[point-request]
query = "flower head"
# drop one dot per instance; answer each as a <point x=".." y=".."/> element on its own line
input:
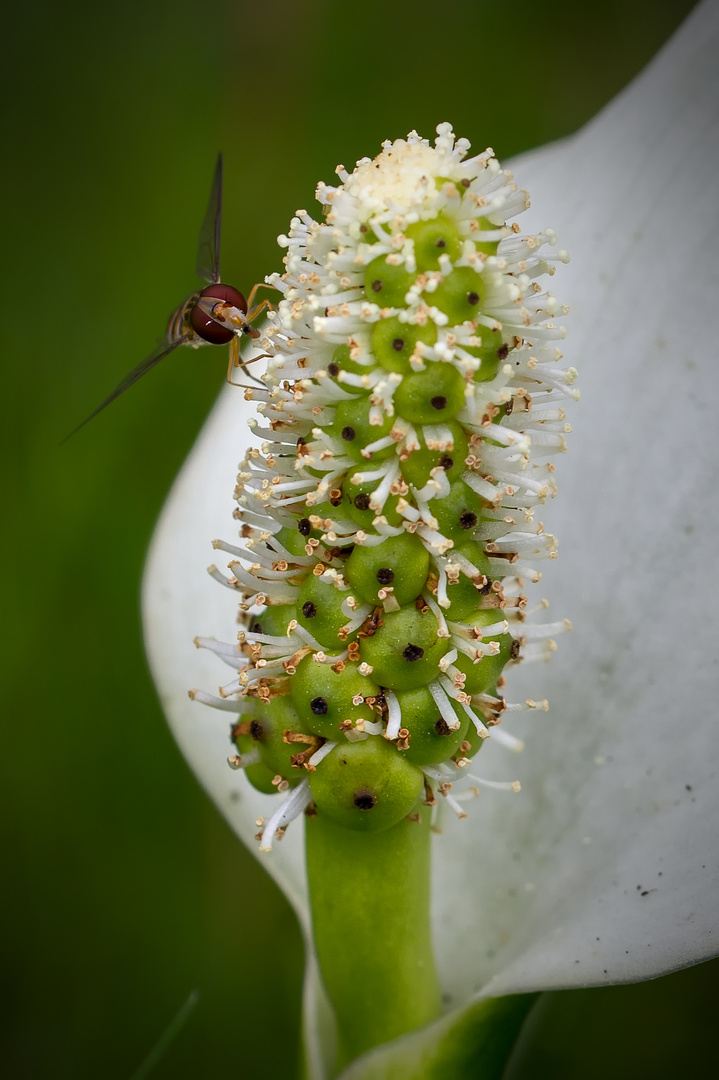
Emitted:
<point x="413" y="394"/>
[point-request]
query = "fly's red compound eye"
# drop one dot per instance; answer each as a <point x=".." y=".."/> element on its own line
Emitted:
<point x="206" y="327"/>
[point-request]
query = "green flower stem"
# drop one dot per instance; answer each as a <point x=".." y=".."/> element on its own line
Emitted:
<point x="472" y="1043"/>
<point x="370" y="912"/>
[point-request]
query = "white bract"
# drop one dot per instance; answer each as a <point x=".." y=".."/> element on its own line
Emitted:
<point x="604" y="869"/>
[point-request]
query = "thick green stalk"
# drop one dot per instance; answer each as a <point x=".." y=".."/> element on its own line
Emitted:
<point x="370" y="913"/>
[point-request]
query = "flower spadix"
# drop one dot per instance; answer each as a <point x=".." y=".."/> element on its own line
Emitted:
<point x="390" y="518"/>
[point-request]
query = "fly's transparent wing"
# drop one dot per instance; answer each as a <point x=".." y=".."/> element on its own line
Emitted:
<point x="149" y="362"/>
<point x="208" y="248"/>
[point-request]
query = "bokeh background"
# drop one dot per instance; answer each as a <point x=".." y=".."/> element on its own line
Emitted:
<point x="122" y="890"/>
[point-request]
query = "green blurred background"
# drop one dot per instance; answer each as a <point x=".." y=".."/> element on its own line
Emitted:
<point x="122" y="889"/>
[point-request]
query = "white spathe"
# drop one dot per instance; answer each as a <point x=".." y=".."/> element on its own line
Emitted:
<point x="604" y="869"/>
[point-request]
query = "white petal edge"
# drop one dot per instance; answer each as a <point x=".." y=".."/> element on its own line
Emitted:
<point x="605" y="869"/>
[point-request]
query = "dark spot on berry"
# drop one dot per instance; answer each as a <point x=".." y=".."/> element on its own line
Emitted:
<point x="362" y="501"/>
<point x="319" y="706"/>
<point x="398" y="344"/>
<point x="413" y="652"/>
<point x="257" y="731"/>
<point x="503" y="352"/>
<point x="441" y="727"/>
<point x="472" y="299"/>
<point x="376" y="285"/>
<point x="364" y="800"/>
<point x="446" y="462"/>
<point x="309" y="610"/>
<point x="467" y="519"/>
<point x="333" y="369"/>
<point x="439" y="401"/>
<point x="385" y="576"/>
<point x="256" y="627"/>
<point x="440" y="243"/>
<point x="514" y="650"/>
<point x="348" y="433"/>
<point x="304" y="525"/>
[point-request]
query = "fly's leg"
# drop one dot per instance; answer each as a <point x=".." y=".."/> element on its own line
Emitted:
<point x="236" y="362"/>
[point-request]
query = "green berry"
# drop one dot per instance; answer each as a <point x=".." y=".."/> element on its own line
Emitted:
<point x="258" y="774"/>
<point x="273" y="620"/>
<point x="432" y="740"/>
<point x="459" y="513"/>
<point x="267" y="727"/>
<point x="323" y="697"/>
<point x="386" y="284"/>
<point x="464" y="596"/>
<point x="492" y="353"/>
<point x="341" y="361"/>
<point x="432" y="396"/>
<point x="432" y="239"/>
<point x="401" y="562"/>
<point x="366" y="785"/>
<point x="459" y="295"/>
<point x="418" y="465"/>
<point x="319" y="610"/>
<point x="333" y="509"/>
<point x="295" y="540"/>
<point x="393" y="342"/>
<point x="358" y="508"/>
<point x="354" y="431"/>
<point x="483" y="675"/>
<point x="405" y="651"/>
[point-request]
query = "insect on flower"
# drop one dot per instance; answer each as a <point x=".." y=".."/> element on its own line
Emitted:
<point x="216" y="315"/>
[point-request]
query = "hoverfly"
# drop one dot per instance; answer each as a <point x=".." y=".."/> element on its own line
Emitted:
<point x="216" y="315"/>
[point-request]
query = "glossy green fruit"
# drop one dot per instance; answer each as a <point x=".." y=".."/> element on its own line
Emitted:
<point x="353" y="429"/>
<point x="340" y="362"/>
<point x="417" y="467"/>
<point x="319" y="610"/>
<point x="393" y="342"/>
<point x="439" y="236"/>
<point x="323" y="698"/>
<point x="366" y="785"/>
<point x="274" y="620"/>
<point x="386" y="284"/>
<point x="401" y="562"/>
<point x="492" y="353"/>
<point x="295" y="540"/>
<point x="459" y="295"/>
<point x="406" y="649"/>
<point x="484" y="674"/>
<point x="358" y="508"/>
<point x="431" y="739"/>
<point x="268" y="724"/>
<point x="458" y="514"/>
<point x="258" y="774"/>
<point x="432" y="396"/>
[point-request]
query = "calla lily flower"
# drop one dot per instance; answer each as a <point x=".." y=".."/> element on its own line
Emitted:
<point x="604" y="869"/>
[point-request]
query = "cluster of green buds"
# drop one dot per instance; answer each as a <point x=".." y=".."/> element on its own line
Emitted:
<point x="412" y="400"/>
